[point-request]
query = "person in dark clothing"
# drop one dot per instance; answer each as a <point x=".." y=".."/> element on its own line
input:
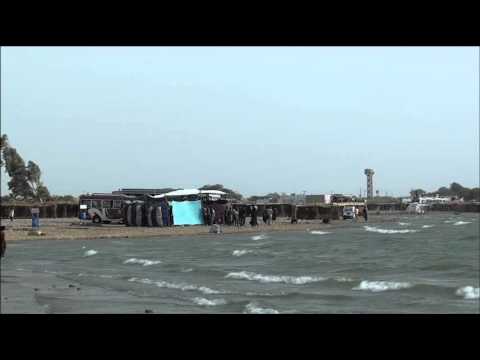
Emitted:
<point x="253" y="214"/>
<point x="365" y="213"/>
<point x="274" y="215"/>
<point x="265" y="216"/>
<point x="241" y="216"/>
<point x="3" y="243"/>
<point x="205" y="215"/>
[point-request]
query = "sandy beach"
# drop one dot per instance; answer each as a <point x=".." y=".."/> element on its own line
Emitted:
<point x="71" y="228"/>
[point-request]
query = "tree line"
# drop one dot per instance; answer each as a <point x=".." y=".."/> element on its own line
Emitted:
<point x="455" y="190"/>
<point x="25" y="179"/>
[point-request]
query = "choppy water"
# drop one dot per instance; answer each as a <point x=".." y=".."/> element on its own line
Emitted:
<point x="425" y="264"/>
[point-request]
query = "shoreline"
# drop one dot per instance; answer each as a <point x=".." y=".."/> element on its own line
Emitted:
<point x="71" y="229"/>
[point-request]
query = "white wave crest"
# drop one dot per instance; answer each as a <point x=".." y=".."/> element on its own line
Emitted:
<point x="259" y="237"/>
<point x="297" y="280"/>
<point x="388" y="231"/>
<point x="254" y="309"/>
<point x="241" y="252"/>
<point x="90" y="253"/>
<point x="462" y="222"/>
<point x="376" y="286"/>
<point x="468" y="292"/>
<point x="403" y="224"/>
<point x="427" y="226"/>
<point x="178" y="286"/>
<point x="206" y="302"/>
<point x="343" y="279"/>
<point x="318" y="232"/>
<point x="144" y="262"/>
<point x="187" y="270"/>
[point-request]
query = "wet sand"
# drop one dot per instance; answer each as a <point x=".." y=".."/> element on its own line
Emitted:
<point x="71" y="228"/>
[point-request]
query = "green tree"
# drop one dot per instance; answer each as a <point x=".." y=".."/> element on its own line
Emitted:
<point x="24" y="179"/>
<point x="16" y="170"/>
<point x="3" y="145"/>
<point x="415" y="194"/>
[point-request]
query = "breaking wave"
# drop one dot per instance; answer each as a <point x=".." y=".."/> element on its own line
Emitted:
<point x="251" y="308"/>
<point x="178" y="286"/>
<point x="427" y="226"/>
<point x="468" y="292"/>
<point x="90" y="253"/>
<point x="297" y="280"/>
<point x="144" y="262"/>
<point x="318" y="232"/>
<point x="388" y="231"/>
<point x="206" y="302"/>
<point x="241" y="252"/>
<point x="462" y="222"/>
<point x="377" y="286"/>
<point x="259" y="237"/>
<point x="403" y="224"/>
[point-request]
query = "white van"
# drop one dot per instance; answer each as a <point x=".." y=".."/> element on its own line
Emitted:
<point x="349" y="212"/>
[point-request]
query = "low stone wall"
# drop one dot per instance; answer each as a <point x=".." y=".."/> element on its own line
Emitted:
<point x="46" y="211"/>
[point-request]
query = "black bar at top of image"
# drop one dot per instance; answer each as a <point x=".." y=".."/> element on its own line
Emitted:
<point x="350" y="37"/>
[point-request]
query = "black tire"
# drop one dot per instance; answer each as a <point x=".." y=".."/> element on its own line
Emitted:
<point x="96" y="219"/>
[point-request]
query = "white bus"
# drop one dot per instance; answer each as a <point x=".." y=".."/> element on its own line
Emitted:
<point x="104" y="208"/>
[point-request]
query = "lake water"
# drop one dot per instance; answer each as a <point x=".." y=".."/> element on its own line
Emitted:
<point x="423" y="264"/>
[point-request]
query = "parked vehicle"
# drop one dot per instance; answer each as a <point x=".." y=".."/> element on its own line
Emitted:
<point x="349" y="212"/>
<point x="104" y="208"/>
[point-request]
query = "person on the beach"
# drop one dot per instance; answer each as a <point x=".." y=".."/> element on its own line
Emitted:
<point x="253" y="214"/>
<point x="241" y="216"/>
<point x="236" y="220"/>
<point x="3" y="243"/>
<point x="12" y="214"/>
<point x="265" y="216"/>
<point x="213" y="216"/>
<point x="365" y="213"/>
<point x="274" y="215"/>
<point x="269" y="216"/>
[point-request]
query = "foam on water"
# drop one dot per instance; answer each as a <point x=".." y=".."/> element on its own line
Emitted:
<point x="377" y="286"/>
<point x="259" y="237"/>
<point x="90" y="253"/>
<point x="468" y="292"/>
<point x="187" y="270"/>
<point x="403" y="224"/>
<point x="297" y="280"/>
<point x="462" y="222"/>
<point x="206" y="302"/>
<point x="241" y="252"/>
<point x="178" y="286"/>
<point x="252" y="308"/>
<point x="388" y="231"/>
<point x="318" y="232"/>
<point x="144" y="262"/>
<point x="427" y="226"/>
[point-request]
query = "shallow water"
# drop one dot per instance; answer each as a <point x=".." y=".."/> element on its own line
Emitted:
<point x="424" y="264"/>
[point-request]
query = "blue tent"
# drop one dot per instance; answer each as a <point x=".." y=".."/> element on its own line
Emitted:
<point x="187" y="212"/>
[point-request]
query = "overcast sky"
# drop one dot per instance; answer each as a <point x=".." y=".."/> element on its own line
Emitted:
<point x="256" y="119"/>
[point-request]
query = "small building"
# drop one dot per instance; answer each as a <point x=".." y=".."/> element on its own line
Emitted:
<point x="318" y="199"/>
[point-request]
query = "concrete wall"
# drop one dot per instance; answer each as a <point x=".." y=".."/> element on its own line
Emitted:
<point x="46" y="211"/>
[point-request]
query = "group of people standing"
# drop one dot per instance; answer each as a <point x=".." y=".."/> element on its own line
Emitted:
<point x="228" y="215"/>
